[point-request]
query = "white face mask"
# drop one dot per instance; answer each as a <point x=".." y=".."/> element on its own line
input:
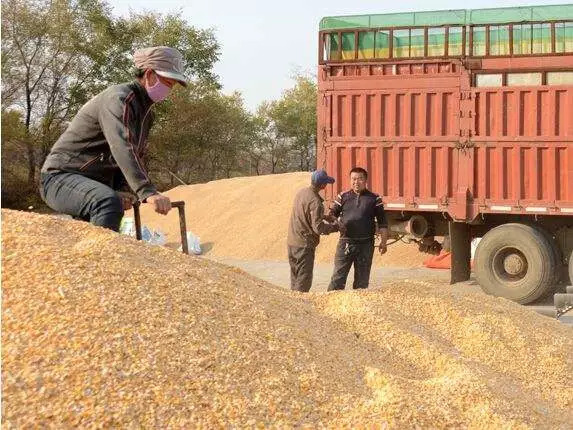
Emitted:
<point x="158" y="92"/>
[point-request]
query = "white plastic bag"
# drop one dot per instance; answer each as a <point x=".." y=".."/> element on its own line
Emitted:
<point x="127" y="226"/>
<point x="153" y="237"/>
<point x="158" y="238"/>
<point x="193" y="243"/>
<point x="146" y="234"/>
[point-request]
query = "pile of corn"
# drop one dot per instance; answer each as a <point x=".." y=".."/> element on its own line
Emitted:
<point x="247" y="218"/>
<point x="100" y="330"/>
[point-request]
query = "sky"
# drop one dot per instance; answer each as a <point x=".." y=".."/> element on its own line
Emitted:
<point x="263" y="43"/>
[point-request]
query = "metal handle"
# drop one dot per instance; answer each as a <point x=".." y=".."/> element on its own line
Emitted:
<point x="180" y="205"/>
<point x="137" y="217"/>
<point x="182" y="225"/>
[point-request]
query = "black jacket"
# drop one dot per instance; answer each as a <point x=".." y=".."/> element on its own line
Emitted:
<point x="106" y="140"/>
<point x="357" y="213"/>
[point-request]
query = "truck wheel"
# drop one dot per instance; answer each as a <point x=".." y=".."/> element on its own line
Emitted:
<point x="557" y="255"/>
<point x="515" y="261"/>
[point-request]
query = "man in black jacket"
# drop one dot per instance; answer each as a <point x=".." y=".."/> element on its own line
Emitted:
<point x="103" y="147"/>
<point x="357" y="210"/>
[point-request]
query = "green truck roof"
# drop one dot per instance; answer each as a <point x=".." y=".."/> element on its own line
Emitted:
<point x="451" y="17"/>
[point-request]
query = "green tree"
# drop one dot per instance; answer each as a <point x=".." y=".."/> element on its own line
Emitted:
<point x="47" y="48"/>
<point x="271" y="146"/>
<point x="294" y="116"/>
<point x="199" y="47"/>
<point x="56" y="54"/>
<point x="15" y="190"/>
<point x="286" y="130"/>
<point x="201" y="135"/>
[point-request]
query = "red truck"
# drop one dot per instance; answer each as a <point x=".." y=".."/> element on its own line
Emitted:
<point x="464" y="121"/>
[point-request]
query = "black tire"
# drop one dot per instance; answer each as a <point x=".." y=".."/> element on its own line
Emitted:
<point x="535" y="268"/>
<point x="556" y="253"/>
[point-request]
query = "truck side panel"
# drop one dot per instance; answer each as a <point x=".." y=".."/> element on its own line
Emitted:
<point x="523" y="149"/>
<point x="400" y="122"/>
<point x="433" y="143"/>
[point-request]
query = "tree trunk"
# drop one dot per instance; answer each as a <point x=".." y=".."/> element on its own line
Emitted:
<point x="29" y="141"/>
<point x="31" y="162"/>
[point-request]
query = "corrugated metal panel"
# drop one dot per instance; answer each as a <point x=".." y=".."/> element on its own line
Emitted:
<point x="524" y="172"/>
<point x="524" y="111"/>
<point x="517" y="176"/>
<point x="393" y="114"/>
<point x="523" y="153"/>
<point x="428" y="144"/>
<point x="392" y="70"/>
<point x="378" y="129"/>
<point x="400" y="172"/>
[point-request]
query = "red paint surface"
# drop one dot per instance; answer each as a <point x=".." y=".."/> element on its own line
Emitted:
<point x="427" y="137"/>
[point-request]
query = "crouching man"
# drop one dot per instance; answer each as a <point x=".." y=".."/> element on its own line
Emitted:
<point x="307" y="223"/>
<point x="103" y="146"/>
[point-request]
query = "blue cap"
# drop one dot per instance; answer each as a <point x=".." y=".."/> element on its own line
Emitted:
<point x="320" y="177"/>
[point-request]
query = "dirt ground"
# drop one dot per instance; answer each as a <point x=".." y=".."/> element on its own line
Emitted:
<point x="278" y="273"/>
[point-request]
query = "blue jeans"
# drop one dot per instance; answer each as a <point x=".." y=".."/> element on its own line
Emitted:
<point x="81" y="197"/>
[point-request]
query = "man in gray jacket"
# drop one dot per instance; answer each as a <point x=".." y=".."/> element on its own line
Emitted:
<point x="102" y="148"/>
<point x="307" y="223"/>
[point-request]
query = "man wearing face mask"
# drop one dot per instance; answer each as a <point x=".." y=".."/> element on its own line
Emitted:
<point x="102" y="148"/>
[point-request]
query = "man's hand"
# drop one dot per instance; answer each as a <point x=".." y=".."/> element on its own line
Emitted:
<point x="332" y="228"/>
<point x="161" y="203"/>
<point x="330" y="218"/>
<point x="127" y="200"/>
<point x="383" y="233"/>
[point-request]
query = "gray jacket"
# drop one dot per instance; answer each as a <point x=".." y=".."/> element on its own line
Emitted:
<point x="307" y="220"/>
<point x="106" y="140"/>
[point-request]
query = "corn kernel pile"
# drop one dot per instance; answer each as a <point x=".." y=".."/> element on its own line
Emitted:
<point x="247" y="218"/>
<point x="99" y="330"/>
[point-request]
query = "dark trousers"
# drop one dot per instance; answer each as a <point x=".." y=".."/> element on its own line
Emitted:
<point x="81" y="197"/>
<point x="301" y="262"/>
<point x="350" y="252"/>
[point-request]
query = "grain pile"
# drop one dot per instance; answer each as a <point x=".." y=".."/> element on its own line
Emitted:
<point x="247" y="218"/>
<point x="100" y="330"/>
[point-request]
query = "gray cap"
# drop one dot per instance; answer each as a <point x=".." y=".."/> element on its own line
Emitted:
<point x="163" y="60"/>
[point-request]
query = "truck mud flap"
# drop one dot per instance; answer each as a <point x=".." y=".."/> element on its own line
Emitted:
<point x="460" y="240"/>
